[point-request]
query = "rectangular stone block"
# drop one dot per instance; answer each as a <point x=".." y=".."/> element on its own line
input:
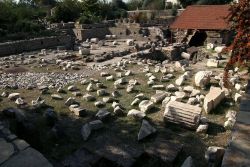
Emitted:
<point x="213" y="99"/>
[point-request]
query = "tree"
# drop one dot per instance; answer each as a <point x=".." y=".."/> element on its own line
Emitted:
<point x="20" y="17"/>
<point x="154" y="4"/>
<point x="90" y="6"/>
<point x="119" y="4"/>
<point x="106" y="11"/>
<point x="239" y="18"/>
<point x="67" y="10"/>
<point x="134" y="4"/>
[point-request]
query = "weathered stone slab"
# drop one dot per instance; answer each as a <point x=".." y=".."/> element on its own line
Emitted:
<point x="81" y="157"/>
<point x="243" y="117"/>
<point x="28" y="158"/>
<point x="114" y="149"/>
<point x="213" y="98"/>
<point x="21" y="144"/>
<point x="245" y="105"/>
<point x="183" y="114"/>
<point x="145" y="130"/>
<point x="7" y="150"/>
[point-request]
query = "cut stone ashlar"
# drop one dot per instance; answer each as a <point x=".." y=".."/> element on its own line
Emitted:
<point x="182" y="114"/>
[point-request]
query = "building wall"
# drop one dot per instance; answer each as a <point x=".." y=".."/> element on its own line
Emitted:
<point x="16" y="47"/>
<point x="218" y="37"/>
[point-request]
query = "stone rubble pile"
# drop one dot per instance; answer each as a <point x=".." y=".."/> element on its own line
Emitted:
<point x="34" y="80"/>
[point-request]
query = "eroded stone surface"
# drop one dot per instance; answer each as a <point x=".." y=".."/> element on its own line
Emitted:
<point x="7" y="150"/>
<point x="28" y="158"/>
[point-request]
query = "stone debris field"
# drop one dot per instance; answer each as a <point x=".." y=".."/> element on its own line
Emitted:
<point x="111" y="105"/>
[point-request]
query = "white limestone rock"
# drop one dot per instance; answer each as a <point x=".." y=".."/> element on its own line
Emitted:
<point x="56" y="97"/>
<point x="171" y="88"/>
<point x="158" y="97"/>
<point x="135" y="102"/>
<point x="128" y="73"/>
<point x="104" y="74"/>
<point x="180" y="95"/>
<point x="118" y="110"/>
<point x="136" y="114"/>
<point x="110" y="78"/>
<point x="165" y="101"/>
<point x="133" y="82"/>
<point x="72" y="88"/>
<point x="89" y="97"/>
<point x="152" y="78"/>
<point x="212" y="63"/>
<point x="151" y="82"/>
<point x="238" y="87"/>
<point x="100" y="104"/>
<point x="13" y="96"/>
<point x="202" y="78"/>
<point x="146" y="105"/>
<point x="188" y="89"/>
<point x="20" y="101"/>
<point x="101" y="92"/>
<point x="237" y="97"/>
<point x="180" y="81"/>
<point x="202" y="128"/>
<point x="90" y="87"/>
<point x="141" y="96"/>
<point x="231" y="114"/>
<point x="213" y="98"/>
<point x="130" y="88"/>
<point x="158" y="87"/>
<point x="120" y="81"/>
<point x="70" y="101"/>
<point x="192" y="101"/>
<point x="229" y="123"/>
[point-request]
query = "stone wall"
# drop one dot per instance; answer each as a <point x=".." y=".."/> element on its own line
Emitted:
<point x="215" y="37"/>
<point x="83" y="34"/>
<point x="16" y="47"/>
<point x="121" y="32"/>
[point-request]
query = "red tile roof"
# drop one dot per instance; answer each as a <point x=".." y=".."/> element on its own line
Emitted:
<point x="210" y="17"/>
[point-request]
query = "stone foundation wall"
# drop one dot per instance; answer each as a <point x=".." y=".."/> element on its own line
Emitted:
<point x="16" y="47"/>
<point x="121" y="32"/>
<point x="83" y="34"/>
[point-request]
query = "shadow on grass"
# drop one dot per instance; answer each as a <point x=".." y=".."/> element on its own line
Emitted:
<point x="116" y="143"/>
<point x="215" y="129"/>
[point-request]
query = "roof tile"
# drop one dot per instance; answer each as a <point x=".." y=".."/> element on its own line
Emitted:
<point x="210" y="17"/>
